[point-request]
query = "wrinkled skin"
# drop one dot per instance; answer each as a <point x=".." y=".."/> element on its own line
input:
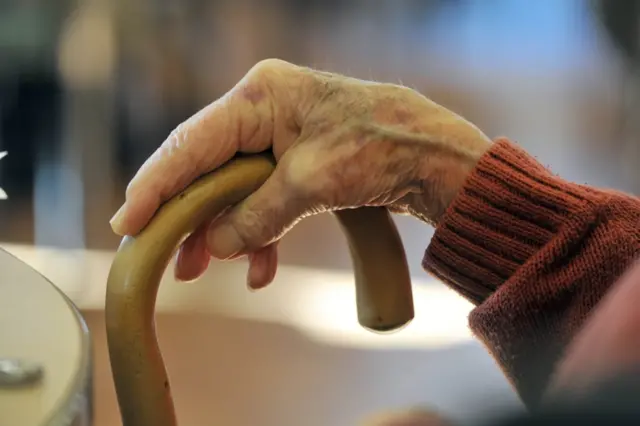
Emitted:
<point x="344" y="143"/>
<point x="339" y="142"/>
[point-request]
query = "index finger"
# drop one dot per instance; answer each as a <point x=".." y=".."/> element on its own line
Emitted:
<point x="240" y="121"/>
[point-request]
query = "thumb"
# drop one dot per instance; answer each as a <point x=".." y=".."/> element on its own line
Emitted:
<point x="259" y="220"/>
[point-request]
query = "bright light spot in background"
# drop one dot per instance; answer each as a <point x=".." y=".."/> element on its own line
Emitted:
<point x="320" y="304"/>
<point x="326" y="311"/>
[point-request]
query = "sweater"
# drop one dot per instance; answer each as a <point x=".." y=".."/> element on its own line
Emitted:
<point x="535" y="254"/>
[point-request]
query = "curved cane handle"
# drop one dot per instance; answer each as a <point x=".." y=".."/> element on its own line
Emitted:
<point x="383" y="286"/>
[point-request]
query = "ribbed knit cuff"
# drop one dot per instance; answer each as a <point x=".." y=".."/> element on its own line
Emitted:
<point x="504" y="243"/>
<point x="509" y="207"/>
<point x="535" y="253"/>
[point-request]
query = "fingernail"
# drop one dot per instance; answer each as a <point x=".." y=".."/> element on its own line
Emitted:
<point x="251" y="284"/>
<point x="117" y="222"/>
<point x="254" y="263"/>
<point x="224" y="241"/>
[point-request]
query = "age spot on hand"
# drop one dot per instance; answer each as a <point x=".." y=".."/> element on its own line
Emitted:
<point x="403" y="116"/>
<point x="252" y="94"/>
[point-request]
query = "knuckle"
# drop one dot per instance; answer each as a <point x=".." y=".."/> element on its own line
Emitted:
<point x="302" y="171"/>
<point x="251" y="225"/>
<point x="175" y="140"/>
<point x="268" y="67"/>
<point x="177" y="151"/>
<point x="312" y="180"/>
<point x="257" y="227"/>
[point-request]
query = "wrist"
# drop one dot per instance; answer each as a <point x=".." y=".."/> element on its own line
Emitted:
<point x="444" y="171"/>
<point x="445" y="149"/>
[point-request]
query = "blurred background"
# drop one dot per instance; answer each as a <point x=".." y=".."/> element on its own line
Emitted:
<point x="89" y="88"/>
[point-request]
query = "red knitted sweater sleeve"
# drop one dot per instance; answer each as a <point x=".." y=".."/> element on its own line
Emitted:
<point x="534" y="253"/>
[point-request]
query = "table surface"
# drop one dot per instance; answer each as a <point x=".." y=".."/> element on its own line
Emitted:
<point x="38" y="324"/>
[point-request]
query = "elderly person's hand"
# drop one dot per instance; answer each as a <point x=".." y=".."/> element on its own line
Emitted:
<point x="339" y="142"/>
